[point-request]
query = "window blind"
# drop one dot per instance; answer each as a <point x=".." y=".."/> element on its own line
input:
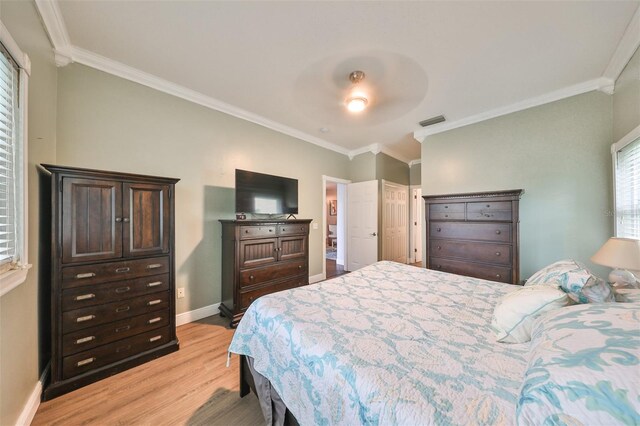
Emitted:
<point x="9" y="129"/>
<point x="628" y="191"/>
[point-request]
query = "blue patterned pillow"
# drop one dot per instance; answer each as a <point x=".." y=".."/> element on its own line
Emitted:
<point x="576" y="280"/>
<point x="584" y="367"/>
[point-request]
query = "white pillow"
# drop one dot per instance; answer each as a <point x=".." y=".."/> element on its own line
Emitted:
<point x="514" y="314"/>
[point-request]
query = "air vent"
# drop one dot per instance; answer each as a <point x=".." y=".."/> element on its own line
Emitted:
<point x="433" y="120"/>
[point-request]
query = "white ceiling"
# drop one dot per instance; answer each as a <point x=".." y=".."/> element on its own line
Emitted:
<point x="289" y="61"/>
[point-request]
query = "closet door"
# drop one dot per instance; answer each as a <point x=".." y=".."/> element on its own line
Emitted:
<point x="146" y="221"/>
<point x="91" y="220"/>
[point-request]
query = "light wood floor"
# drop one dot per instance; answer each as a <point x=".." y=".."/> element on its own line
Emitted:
<point x="189" y="387"/>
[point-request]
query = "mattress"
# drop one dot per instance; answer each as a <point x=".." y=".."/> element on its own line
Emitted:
<point x="387" y="344"/>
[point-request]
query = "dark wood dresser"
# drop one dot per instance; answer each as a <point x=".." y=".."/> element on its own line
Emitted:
<point x="261" y="257"/>
<point x="107" y="278"/>
<point x="475" y="234"/>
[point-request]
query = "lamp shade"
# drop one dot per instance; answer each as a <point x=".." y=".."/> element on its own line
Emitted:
<point x="622" y="253"/>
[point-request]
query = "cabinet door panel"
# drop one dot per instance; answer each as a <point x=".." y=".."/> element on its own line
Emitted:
<point x="257" y="252"/>
<point x="89" y="228"/>
<point x="293" y="247"/>
<point x="146" y="219"/>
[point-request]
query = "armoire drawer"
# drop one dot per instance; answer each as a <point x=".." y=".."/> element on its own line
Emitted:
<point x="250" y="277"/>
<point x="116" y="351"/>
<point x="481" y="252"/>
<point x="493" y="211"/>
<point x="485" y="272"/>
<point x="96" y="336"/>
<point x="293" y="229"/>
<point x="257" y="231"/>
<point x="246" y="298"/>
<point x="76" y="276"/>
<point x="498" y="232"/>
<point x="450" y="211"/>
<point x="80" y="297"/>
<point x="79" y="319"/>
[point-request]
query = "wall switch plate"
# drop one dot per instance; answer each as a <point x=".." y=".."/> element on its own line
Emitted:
<point x="180" y="292"/>
<point x="315" y="225"/>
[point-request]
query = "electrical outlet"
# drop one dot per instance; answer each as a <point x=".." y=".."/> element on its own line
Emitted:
<point x="315" y="225"/>
<point x="180" y="292"/>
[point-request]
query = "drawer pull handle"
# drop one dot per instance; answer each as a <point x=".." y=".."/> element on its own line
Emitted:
<point x="154" y="284"/>
<point x="439" y="229"/>
<point x="154" y="338"/>
<point x="498" y="276"/>
<point x="122" y="289"/>
<point x="121" y="329"/>
<point x="270" y="230"/>
<point x="85" y="275"/>
<point x="123" y="308"/>
<point x="438" y="266"/>
<point x="85" y="318"/>
<point x="498" y="232"/>
<point x="251" y="277"/>
<point x="118" y="219"/>
<point x="123" y="348"/>
<point x="84" y="297"/>
<point x="446" y="215"/>
<point x="122" y="270"/>
<point x="488" y="205"/>
<point x="125" y="220"/>
<point x="497" y="253"/>
<point x="154" y="320"/>
<point x="439" y="248"/>
<point x="85" y="362"/>
<point x="85" y="340"/>
<point x="154" y="266"/>
<point x="488" y="215"/>
<point x="299" y="266"/>
<point x="446" y="207"/>
<point x="153" y="302"/>
<point x="246" y="231"/>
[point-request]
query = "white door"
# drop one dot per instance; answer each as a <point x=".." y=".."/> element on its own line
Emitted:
<point x="362" y="224"/>
<point x="395" y="221"/>
<point x="417" y="215"/>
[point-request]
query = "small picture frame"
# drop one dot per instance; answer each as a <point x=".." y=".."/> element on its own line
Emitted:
<point x="332" y="207"/>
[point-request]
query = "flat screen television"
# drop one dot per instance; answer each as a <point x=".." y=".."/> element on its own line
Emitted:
<point x="265" y="194"/>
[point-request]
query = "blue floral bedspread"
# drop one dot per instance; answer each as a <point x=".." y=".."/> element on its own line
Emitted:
<point x="387" y="344"/>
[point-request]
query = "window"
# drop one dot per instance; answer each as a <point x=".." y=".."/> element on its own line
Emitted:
<point x="14" y="72"/>
<point x="627" y="189"/>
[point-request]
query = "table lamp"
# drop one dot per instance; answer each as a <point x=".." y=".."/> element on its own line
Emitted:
<point x="622" y="254"/>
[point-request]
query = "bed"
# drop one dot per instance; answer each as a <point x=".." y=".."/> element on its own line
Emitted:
<point x="396" y="344"/>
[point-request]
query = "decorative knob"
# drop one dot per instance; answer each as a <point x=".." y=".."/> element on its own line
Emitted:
<point x="498" y="232"/>
<point x="270" y="230"/>
<point x="299" y="266"/>
<point x="251" y="277"/>
<point x="246" y="231"/>
<point x="439" y="229"/>
<point x="488" y="205"/>
<point x="439" y="248"/>
<point x="125" y="220"/>
<point x="497" y="253"/>
<point x="498" y="276"/>
<point x="446" y="215"/>
<point x="446" y="207"/>
<point x="118" y="219"/>
<point x="439" y="267"/>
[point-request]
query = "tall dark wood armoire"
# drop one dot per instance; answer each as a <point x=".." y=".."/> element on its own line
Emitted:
<point x="107" y="278"/>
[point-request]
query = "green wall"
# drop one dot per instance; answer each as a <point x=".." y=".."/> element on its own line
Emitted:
<point x="390" y="169"/>
<point x="363" y="167"/>
<point x="558" y="153"/>
<point x="106" y="122"/>
<point x="626" y="99"/>
<point x="415" y="173"/>
<point x="18" y="308"/>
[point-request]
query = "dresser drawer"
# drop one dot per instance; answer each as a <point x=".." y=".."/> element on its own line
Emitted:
<point x="246" y="298"/>
<point x="498" y="211"/>
<point x="95" y="315"/>
<point x="116" y="351"/>
<point x="257" y="231"/>
<point x="76" y="276"/>
<point x="293" y="229"/>
<point x="486" y="272"/>
<point x="453" y="211"/>
<point x="498" y="232"/>
<point x="281" y="270"/>
<point x="96" y="336"/>
<point x="481" y="252"/>
<point x="80" y="297"/>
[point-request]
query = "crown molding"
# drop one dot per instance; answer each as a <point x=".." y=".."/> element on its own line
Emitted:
<point x="376" y="149"/>
<point x="56" y="30"/>
<point x="602" y="84"/>
<point x="627" y="46"/>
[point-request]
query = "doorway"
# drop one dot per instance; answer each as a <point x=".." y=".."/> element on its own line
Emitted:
<point x="335" y="226"/>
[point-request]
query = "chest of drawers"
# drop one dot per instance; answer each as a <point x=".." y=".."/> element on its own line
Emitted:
<point x="474" y="234"/>
<point x="260" y="257"/>
<point x="108" y="281"/>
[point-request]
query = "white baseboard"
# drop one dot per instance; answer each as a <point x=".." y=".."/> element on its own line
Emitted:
<point x="316" y="278"/>
<point x="197" y="314"/>
<point x="32" y="404"/>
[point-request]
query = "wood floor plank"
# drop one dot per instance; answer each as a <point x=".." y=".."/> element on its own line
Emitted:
<point x="189" y="387"/>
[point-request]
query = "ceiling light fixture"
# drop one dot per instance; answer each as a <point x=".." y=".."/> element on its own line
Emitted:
<point x="357" y="100"/>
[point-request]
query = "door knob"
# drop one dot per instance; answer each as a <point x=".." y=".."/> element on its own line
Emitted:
<point x="373" y="234"/>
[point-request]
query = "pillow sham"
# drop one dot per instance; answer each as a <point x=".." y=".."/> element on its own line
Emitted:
<point x="514" y="314"/>
<point x="576" y="280"/>
<point x="584" y="367"/>
<point x="627" y="294"/>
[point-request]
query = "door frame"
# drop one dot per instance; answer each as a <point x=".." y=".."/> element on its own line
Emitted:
<point x="414" y="237"/>
<point x="343" y="211"/>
